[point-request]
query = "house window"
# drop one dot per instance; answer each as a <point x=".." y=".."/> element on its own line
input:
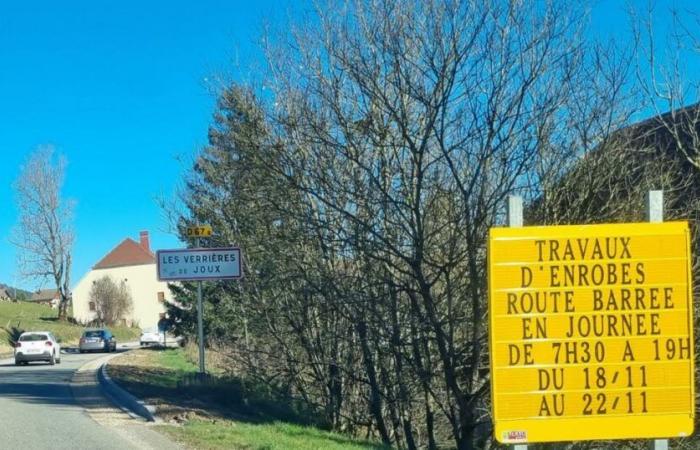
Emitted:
<point x="92" y="306"/>
<point x="161" y="297"/>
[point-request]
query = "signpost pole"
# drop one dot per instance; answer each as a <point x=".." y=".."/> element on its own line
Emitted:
<point x="515" y="211"/>
<point x="655" y="206"/>
<point x="655" y="213"/>
<point x="200" y="324"/>
<point x="515" y="219"/>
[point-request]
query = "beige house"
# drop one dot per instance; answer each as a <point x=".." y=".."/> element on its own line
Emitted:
<point x="135" y="264"/>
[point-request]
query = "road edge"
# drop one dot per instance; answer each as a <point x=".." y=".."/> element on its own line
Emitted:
<point x="123" y="398"/>
<point x="95" y="372"/>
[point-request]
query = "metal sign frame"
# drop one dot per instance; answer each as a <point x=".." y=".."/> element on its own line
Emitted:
<point x="531" y="428"/>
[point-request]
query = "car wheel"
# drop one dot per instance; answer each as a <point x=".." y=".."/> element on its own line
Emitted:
<point x="58" y="361"/>
<point x="81" y="351"/>
<point x="18" y="363"/>
<point x="52" y="360"/>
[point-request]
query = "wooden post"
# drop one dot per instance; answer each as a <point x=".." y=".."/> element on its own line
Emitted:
<point x="655" y="213"/>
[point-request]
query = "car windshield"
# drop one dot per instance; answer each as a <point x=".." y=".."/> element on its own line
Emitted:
<point x="93" y="334"/>
<point x="33" y="337"/>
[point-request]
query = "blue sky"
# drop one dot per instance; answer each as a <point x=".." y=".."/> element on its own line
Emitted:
<point x="119" y="88"/>
<point x="123" y="90"/>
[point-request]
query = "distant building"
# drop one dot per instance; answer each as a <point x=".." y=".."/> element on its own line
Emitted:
<point x="4" y="295"/>
<point x="135" y="264"/>
<point x="49" y="297"/>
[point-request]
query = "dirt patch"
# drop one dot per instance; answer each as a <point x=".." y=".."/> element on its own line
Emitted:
<point x="168" y="380"/>
<point x="141" y="373"/>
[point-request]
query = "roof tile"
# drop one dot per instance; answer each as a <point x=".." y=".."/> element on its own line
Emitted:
<point x="128" y="253"/>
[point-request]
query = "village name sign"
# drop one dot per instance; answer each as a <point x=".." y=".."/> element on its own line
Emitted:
<point x="199" y="264"/>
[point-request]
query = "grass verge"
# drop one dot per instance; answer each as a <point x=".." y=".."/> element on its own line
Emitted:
<point x="225" y="434"/>
<point x="222" y="413"/>
<point x="18" y="317"/>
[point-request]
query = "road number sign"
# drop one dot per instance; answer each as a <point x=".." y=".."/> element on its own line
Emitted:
<point x="199" y="231"/>
<point x="199" y="264"/>
<point x="591" y="332"/>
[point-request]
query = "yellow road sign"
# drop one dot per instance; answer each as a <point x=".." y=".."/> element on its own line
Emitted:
<point x="199" y="231"/>
<point x="591" y="332"/>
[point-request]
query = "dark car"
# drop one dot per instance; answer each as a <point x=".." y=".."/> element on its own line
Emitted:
<point x="101" y="340"/>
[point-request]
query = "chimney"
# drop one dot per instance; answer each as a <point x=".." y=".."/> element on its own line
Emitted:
<point x="145" y="241"/>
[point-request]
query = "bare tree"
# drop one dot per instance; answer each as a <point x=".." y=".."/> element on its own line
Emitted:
<point x="404" y="127"/>
<point x="363" y="183"/>
<point x="112" y="301"/>
<point x="44" y="234"/>
<point x="663" y="76"/>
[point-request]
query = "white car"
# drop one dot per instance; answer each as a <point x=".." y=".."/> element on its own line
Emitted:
<point x="152" y="336"/>
<point x="37" y="346"/>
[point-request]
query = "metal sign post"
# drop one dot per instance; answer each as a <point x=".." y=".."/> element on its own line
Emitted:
<point x="655" y="213"/>
<point x="515" y="219"/>
<point x="200" y="323"/>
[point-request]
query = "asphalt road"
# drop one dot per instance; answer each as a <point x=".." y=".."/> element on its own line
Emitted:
<point x="39" y="409"/>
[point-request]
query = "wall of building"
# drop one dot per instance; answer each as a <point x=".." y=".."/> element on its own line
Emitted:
<point x="143" y="283"/>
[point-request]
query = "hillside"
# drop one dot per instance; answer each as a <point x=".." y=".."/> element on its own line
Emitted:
<point x="18" y="317"/>
<point x="15" y="291"/>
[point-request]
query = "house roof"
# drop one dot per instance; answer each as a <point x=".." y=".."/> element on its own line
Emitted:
<point x="128" y="253"/>
<point x="664" y="132"/>
<point x="4" y="293"/>
<point x="44" y="295"/>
